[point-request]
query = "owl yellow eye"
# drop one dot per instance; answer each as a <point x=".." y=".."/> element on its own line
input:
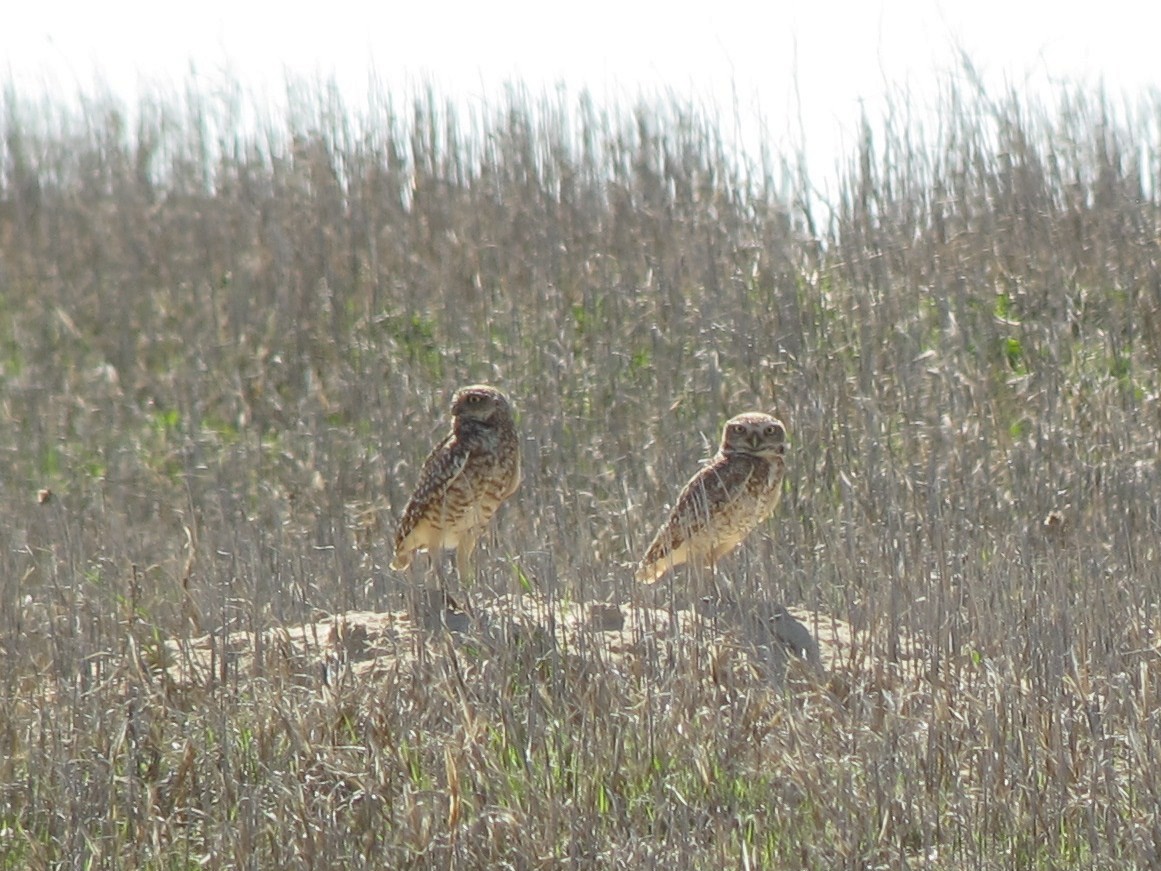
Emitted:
<point x="771" y="429"/>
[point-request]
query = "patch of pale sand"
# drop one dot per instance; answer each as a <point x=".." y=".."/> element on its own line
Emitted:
<point x="624" y="636"/>
<point x="297" y="650"/>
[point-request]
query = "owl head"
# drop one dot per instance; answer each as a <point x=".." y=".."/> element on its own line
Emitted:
<point x="754" y="433"/>
<point x="479" y="402"/>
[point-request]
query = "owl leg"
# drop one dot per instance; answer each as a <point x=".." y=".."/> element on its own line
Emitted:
<point x="464" y="553"/>
<point x="428" y="596"/>
<point x="723" y="586"/>
<point x="713" y="573"/>
<point x="464" y="569"/>
<point x="437" y="607"/>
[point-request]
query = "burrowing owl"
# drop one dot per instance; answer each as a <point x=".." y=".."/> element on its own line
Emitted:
<point x="463" y="480"/>
<point x="725" y="500"/>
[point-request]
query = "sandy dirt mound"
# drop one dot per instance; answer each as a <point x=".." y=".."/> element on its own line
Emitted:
<point x="625" y="636"/>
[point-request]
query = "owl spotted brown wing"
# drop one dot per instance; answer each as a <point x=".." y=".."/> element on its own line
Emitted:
<point x="443" y="466"/>
<point x="699" y="504"/>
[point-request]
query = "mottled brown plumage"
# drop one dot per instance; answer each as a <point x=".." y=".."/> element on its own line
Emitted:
<point x="725" y="500"/>
<point x="463" y="481"/>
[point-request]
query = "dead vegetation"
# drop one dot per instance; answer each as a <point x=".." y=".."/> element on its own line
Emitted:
<point x="224" y="353"/>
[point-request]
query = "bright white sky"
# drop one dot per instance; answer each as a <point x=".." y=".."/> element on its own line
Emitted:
<point x="747" y="56"/>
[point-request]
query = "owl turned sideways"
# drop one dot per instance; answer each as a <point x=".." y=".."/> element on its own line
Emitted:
<point x="463" y="481"/>
<point x="723" y="503"/>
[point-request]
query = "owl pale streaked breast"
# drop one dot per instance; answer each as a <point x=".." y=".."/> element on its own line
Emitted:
<point x="463" y="481"/>
<point x="724" y="502"/>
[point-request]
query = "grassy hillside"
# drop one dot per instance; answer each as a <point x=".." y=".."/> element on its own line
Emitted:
<point x="224" y="354"/>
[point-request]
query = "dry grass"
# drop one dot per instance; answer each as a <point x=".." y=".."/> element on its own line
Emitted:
<point x="225" y="355"/>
